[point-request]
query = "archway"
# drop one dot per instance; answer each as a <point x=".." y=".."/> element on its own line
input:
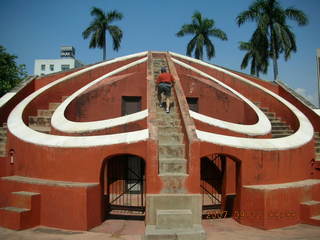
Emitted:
<point x="219" y="185"/>
<point x="123" y="184"/>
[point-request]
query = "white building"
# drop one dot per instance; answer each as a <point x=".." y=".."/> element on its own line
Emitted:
<point x="67" y="61"/>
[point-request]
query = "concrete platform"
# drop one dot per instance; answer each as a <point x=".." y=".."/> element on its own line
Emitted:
<point x="222" y="229"/>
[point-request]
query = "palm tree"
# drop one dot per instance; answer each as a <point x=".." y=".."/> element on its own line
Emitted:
<point x="99" y="27"/>
<point x="271" y="19"/>
<point x="257" y="52"/>
<point x="202" y="29"/>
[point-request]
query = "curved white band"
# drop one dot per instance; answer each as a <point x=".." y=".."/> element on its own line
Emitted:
<point x="302" y="136"/>
<point x="59" y="121"/>
<point x="18" y="128"/>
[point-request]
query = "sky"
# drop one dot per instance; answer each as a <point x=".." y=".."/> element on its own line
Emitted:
<point x="35" y="29"/>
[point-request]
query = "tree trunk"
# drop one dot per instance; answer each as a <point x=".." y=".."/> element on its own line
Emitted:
<point x="274" y="57"/>
<point x="104" y="52"/>
<point x="275" y="65"/>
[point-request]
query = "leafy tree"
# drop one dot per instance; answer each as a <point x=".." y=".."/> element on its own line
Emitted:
<point x="11" y="74"/>
<point x="99" y="27"/>
<point x="256" y="52"/>
<point x="271" y="20"/>
<point x="202" y="29"/>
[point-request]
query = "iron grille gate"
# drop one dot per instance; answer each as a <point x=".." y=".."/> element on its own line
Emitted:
<point x="126" y="184"/>
<point x="212" y="172"/>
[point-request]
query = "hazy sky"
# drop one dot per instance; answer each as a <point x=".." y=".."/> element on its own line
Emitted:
<point x="35" y="29"/>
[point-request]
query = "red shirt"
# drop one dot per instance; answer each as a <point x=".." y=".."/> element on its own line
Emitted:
<point x="165" y="77"/>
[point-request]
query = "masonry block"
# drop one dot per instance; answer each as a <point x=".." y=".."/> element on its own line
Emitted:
<point x="178" y="218"/>
<point x="23" y="212"/>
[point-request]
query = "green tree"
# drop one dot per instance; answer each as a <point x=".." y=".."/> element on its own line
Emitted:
<point x="99" y="27"/>
<point x="202" y="29"/>
<point x="11" y="74"/>
<point x="256" y="53"/>
<point x="271" y="20"/>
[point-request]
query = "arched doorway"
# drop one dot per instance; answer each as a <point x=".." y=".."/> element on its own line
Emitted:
<point x="219" y="184"/>
<point x="124" y="187"/>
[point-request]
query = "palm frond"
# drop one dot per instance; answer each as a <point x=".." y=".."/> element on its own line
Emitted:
<point x="99" y="27"/>
<point x="116" y="35"/>
<point x="202" y="28"/>
<point x="186" y="29"/>
<point x="218" y="33"/>
<point x="113" y="15"/>
<point x="209" y="48"/>
<point x="297" y="15"/>
<point x="191" y="45"/>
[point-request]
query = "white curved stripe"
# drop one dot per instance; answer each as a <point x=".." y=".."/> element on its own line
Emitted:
<point x="18" y="128"/>
<point x="262" y="127"/>
<point x="59" y="122"/>
<point x="302" y="136"/>
<point x="67" y="126"/>
<point x="251" y="130"/>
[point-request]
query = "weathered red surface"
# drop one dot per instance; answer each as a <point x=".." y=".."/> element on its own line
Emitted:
<point x="82" y="207"/>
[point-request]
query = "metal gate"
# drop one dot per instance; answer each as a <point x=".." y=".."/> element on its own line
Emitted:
<point x="126" y="183"/>
<point x="211" y="182"/>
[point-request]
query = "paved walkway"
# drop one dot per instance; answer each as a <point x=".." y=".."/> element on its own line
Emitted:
<point x="224" y="229"/>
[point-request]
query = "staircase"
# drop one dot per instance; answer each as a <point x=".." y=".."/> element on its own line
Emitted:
<point x="175" y="214"/>
<point x="279" y="128"/>
<point x="42" y="122"/>
<point x="310" y="212"/>
<point x="3" y="140"/>
<point x="23" y="211"/>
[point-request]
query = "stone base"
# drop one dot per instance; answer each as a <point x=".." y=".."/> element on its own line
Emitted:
<point x="194" y="233"/>
<point x="180" y="202"/>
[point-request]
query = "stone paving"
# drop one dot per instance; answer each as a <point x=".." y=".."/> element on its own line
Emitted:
<point x="222" y="229"/>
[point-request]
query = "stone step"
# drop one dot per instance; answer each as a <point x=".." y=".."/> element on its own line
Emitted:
<point x="171" y="122"/>
<point x="23" y="199"/>
<point x="23" y="211"/>
<point x="175" y="165"/>
<point x="43" y="129"/>
<point x="3" y="149"/>
<point x="3" y="139"/>
<point x="278" y="122"/>
<point x="170" y="137"/>
<point x="172" y="219"/>
<point x="44" y="113"/>
<point x="263" y="109"/>
<point x="196" y="232"/>
<point x="310" y="212"/>
<point x="279" y="135"/>
<point x="161" y="112"/>
<point x="280" y="131"/>
<point x="167" y="130"/>
<point x="3" y="132"/>
<point x="270" y="114"/>
<point x="54" y="105"/>
<point x="173" y="182"/>
<point x="171" y="151"/>
<point x="3" y="152"/>
<point x="39" y="121"/>
<point x="281" y="127"/>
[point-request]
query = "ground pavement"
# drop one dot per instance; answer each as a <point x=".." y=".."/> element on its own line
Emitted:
<point x="222" y="229"/>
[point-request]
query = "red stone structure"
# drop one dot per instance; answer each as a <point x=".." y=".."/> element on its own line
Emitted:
<point x="81" y="145"/>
